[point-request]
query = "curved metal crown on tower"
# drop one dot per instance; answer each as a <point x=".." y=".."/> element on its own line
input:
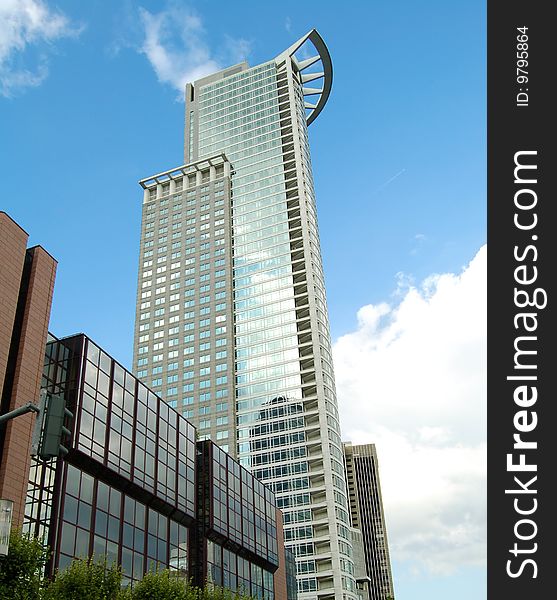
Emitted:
<point x="317" y="97"/>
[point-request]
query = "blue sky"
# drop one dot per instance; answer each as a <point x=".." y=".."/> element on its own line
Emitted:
<point x="90" y="103"/>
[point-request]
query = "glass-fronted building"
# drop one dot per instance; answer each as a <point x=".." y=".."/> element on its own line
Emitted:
<point x="232" y="325"/>
<point x="137" y="487"/>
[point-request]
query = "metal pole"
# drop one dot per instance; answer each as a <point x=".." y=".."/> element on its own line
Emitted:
<point x="22" y="410"/>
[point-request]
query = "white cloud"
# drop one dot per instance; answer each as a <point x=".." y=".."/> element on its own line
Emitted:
<point x="412" y="380"/>
<point x="26" y="24"/>
<point x="175" y="44"/>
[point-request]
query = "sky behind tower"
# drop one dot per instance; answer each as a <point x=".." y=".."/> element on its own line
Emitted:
<point x="91" y="102"/>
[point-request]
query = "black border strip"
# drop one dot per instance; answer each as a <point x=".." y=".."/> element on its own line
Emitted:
<point x="521" y="130"/>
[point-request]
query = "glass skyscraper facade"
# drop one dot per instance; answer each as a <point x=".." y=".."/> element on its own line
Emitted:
<point x="232" y="325"/>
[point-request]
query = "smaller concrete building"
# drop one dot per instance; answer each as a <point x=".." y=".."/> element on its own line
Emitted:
<point x="368" y="521"/>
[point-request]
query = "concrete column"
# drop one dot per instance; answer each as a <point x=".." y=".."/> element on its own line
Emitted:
<point x="198" y="178"/>
<point x="212" y="173"/>
<point x="172" y="186"/>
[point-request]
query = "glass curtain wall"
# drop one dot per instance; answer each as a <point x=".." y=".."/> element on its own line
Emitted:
<point x="286" y="414"/>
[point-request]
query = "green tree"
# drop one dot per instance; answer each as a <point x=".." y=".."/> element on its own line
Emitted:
<point x="165" y="585"/>
<point x="86" y="579"/>
<point x="21" y="570"/>
<point x="211" y="592"/>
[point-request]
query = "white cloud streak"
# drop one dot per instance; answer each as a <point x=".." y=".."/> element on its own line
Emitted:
<point x="411" y="379"/>
<point x="175" y="44"/>
<point x="25" y="25"/>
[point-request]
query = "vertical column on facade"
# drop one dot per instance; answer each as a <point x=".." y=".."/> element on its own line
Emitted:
<point x="317" y="423"/>
<point x="23" y="373"/>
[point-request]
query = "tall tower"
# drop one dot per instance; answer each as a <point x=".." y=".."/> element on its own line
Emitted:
<point x="366" y="511"/>
<point x="232" y="324"/>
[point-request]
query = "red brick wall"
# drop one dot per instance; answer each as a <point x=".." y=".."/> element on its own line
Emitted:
<point x="280" y="574"/>
<point x="13" y="241"/>
<point x="30" y="342"/>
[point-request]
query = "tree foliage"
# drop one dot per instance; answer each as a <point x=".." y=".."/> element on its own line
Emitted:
<point x="164" y="585"/>
<point x="86" y="579"/>
<point x="21" y="578"/>
<point x="21" y="570"/>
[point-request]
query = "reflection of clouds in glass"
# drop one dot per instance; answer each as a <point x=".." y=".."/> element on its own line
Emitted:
<point x="248" y="257"/>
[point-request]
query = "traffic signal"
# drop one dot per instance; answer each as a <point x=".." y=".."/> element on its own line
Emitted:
<point x="49" y="428"/>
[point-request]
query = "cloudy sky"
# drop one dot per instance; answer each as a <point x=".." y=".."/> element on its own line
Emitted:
<point x="91" y="102"/>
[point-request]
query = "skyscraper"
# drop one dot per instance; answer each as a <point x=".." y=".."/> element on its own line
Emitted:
<point x="232" y="325"/>
<point x="367" y="515"/>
